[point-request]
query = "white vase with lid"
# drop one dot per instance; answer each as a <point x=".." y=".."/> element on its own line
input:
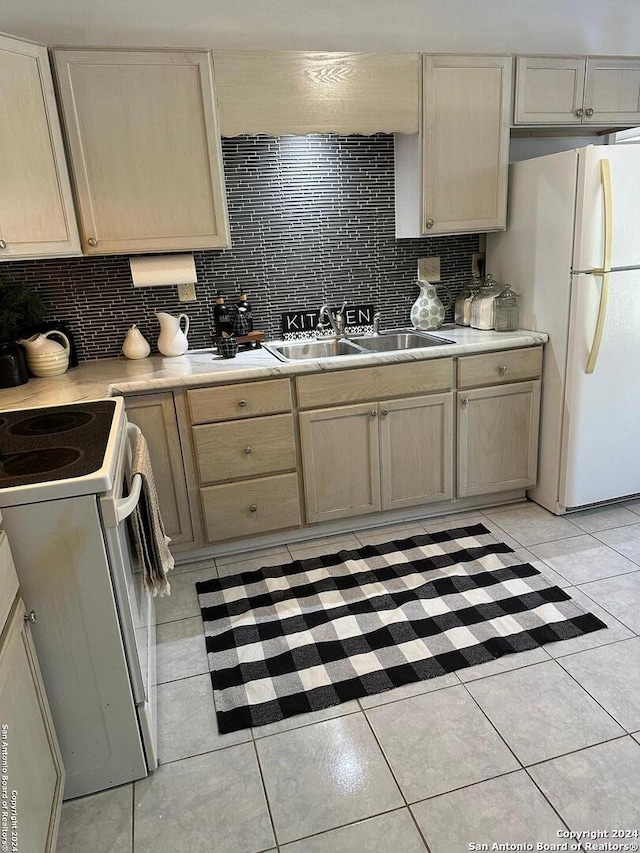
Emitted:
<point x="44" y="356"/>
<point x="135" y="344"/>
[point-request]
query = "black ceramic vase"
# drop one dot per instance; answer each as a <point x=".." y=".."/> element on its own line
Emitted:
<point x="13" y="367"/>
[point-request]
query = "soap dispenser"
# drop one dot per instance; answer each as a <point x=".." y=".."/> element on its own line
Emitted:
<point x="243" y="307"/>
<point x="221" y="317"/>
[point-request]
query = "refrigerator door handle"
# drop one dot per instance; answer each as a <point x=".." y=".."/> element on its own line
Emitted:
<point x="605" y="175"/>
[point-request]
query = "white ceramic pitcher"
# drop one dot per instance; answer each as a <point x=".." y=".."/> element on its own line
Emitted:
<point x="172" y="340"/>
<point x="427" y="312"/>
<point x="45" y="357"/>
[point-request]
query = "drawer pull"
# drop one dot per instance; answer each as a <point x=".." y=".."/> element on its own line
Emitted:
<point x="242" y="403"/>
<point x="384" y="411"/>
<point x="253" y="508"/>
<point x="30" y="617"/>
<point x="247" y="450"/>
<point x="374" y="413"/>
<point x="3" y="245"/>
<point x="464" y="401"/>
<point x="502" y="369"/>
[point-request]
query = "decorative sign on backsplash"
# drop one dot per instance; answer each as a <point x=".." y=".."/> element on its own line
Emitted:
<point x="302" y="324"/>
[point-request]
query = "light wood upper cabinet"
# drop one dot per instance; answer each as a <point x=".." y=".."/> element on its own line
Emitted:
<point x="145" y="149"/>
<point x="463" y="152"/>
<point x="612" y="91"/>
<point x="37" y="218"/>
<point x="155" y="414"/>
<point x="577" y="90"/>
<point x="466" y="143"/>
<point x="298" y="92"/>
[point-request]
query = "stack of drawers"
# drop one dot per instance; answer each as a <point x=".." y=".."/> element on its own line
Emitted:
<point x="246" y="458"/>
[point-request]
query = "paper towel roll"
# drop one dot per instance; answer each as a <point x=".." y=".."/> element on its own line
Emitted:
<point x="158" y="270"/>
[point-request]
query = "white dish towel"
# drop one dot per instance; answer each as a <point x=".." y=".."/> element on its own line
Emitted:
<point x="152" y="543"/>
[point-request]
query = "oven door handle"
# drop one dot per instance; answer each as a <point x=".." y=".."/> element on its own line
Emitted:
<point x="126" y="506"/>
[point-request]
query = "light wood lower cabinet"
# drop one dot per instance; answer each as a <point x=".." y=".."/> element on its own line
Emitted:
<point x="249" y="507"/>
<point x="28" y="744"/>
<point x="373" y="456"/>
<point x="498" y="438"/>
<point x="416" y="450"/>
<point x="340" y="461"/>
<point x="155" y="414"/>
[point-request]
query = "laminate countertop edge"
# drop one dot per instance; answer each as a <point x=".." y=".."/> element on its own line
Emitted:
<point x="93" y="380"/>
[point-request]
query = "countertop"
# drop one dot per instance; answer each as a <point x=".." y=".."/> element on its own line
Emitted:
<point x="106" y="377"/>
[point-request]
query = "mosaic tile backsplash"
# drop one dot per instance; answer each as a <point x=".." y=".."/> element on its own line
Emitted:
<point x="312" y="221"/>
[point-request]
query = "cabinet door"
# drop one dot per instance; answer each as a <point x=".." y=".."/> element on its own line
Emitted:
<point x="36" y="209"/>
<point x="35" y="768"/>
<point x="416" y="450"/>
<point x="466" y="143"/>
<point x="155" y="414"/>
<point x="549" y="90"/>
<point x="340" y="461"/>
<point x="612" y="91"/>
<point x="498" y="438"/>
<point x="145" y="149"/>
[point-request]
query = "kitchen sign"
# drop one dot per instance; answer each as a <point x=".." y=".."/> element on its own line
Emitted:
<point x="303" y="324"/>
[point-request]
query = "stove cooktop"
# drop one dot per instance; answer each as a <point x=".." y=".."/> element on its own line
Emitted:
<point x="40" y="446"/>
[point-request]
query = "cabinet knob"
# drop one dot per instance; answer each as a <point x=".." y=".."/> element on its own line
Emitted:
<point x="589" y="112"/>
<point x="3" y="245"/>
<point x="374" y="413"/>
<point x="464" y="401"/>
<point x="30" y="616"/>
<point x="242" y="403"/>
<point x="92" y="241"/>
<point x="384" y="411"/>
<point x="429" y="223"/>
<point x="579" y="112"/>
<point x="253" y="508"/>
<point x="502" y="369"/>
<point x="247" y="450"/>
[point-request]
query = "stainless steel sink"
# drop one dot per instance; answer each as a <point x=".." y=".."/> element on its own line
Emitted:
<point x="397" y="341"/>
<point x="297" y="350"/>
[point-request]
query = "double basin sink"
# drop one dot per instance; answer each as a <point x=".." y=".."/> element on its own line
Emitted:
<point x="385" y="342"/>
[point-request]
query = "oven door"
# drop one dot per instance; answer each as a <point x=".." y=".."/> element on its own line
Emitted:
<point x="134" y="601"/>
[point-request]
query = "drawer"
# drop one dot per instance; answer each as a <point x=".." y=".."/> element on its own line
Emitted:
<point x="497" y="367"/>
<point x="243" y="400"/>
<point x="236" y="510"/>
<point x="374" y="383"/>
<point x="8" y="579"/>
<point x="250" y="448"/>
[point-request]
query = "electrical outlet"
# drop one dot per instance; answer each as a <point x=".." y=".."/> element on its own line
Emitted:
<point x="187" y="292"/>
<point x="475" y="257"/>
<point x="429" y="269"/>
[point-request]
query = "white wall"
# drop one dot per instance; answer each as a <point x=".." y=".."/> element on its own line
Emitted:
<point x="480" y="26"/>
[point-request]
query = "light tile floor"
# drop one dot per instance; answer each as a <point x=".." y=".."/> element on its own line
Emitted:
<point x="512" y="751"/>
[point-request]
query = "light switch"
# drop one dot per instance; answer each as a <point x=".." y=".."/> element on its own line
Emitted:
<point x="429" y="269"/>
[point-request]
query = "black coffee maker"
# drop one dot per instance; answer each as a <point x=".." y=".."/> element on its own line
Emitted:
<point x="13" y="367"/>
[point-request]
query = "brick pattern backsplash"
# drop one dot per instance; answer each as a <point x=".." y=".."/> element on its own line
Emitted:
<point x="312" y="221"/>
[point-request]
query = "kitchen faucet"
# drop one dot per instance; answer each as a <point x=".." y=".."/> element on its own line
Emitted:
<point x="338" y="322"/>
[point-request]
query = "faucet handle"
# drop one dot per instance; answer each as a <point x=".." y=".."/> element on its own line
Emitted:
<point x="376" y="322"/>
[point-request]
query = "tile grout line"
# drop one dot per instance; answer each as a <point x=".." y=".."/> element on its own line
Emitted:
<point x="266" y="796"/>
<point x="522" y="766"/>
<point x="613" y="616"/>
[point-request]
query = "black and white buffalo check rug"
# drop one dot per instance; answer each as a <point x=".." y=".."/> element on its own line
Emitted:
<point x="312" y="633"/>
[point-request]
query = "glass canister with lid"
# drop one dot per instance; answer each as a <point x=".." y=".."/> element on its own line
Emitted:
<point x="464" y="300"/>
<point x="482" y="305"/>
<point x="507" y="314"/>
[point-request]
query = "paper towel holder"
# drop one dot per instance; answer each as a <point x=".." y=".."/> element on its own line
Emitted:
<point x="163" y="270"/>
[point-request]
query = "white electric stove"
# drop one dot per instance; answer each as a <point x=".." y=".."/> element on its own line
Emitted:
<point x="65" y="493"/>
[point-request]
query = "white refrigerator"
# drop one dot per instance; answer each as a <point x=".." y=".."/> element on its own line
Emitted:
<point x="572" y="252"/>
